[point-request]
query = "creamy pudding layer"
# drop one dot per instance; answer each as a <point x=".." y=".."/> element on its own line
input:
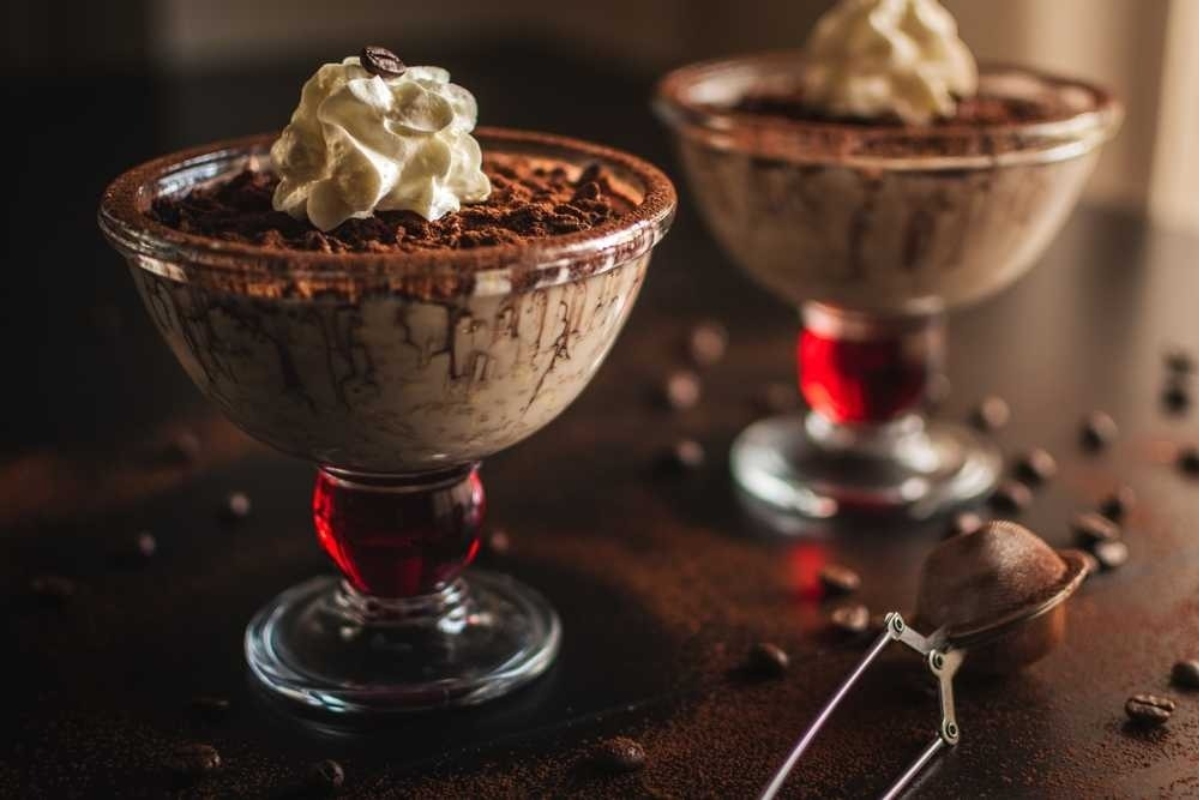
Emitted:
<point x="392" y="384"/>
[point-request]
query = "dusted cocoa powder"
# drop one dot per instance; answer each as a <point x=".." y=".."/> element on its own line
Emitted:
<point x="529" y="200"/>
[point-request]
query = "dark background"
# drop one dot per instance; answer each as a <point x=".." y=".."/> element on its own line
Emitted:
<point x="662" y="581"/>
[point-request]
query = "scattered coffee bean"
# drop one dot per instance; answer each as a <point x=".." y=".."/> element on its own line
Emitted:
<point x="779" y="398"/>
<point x="1011" y="497"/>
<point x="1186" y="674"/>
<point x="767" y="660"/>
<point x="1111" y="555"/>
<point x="1188" y="459"/>
<point x="1119" y="503"/>
<point x="850" y="619"/>
<point x="707" y="343"/>
<point x="1037" y="466"/>
<point x="184" y="448"/>
<point x="1099" y="430"/>
<point x="687" y="455"/>
<point x="325" y="776"/>
<point x="1175" y="395"/>
<point x="210" y="706"/>
<point x="991" y="414"/>
<point x="1149" y="709"/>
<point x="52" y="588"/>
<point x="381" y="61"/>
<point x="193" y="760"/>
<point x="146" y="544"/>
<point x="1090" y="528"/>
<point x="498" y="542"/>
<point x="1177" y="359"/>
<point x="837" y="580"/>
<point x="682" y="390"/>
<point x="237" y="505"/>
<point x="964" y="522"/>
<point x="619" y="754"/>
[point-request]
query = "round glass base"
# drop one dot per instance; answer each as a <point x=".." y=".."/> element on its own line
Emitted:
<point x="804" y="467"/>
<point x="327" y="646"/>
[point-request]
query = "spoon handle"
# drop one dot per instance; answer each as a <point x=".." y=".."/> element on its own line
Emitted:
<point x="929" y="752"/>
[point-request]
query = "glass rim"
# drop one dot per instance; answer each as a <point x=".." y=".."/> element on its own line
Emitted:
<point x="490" y="269"/>
<point x="825" y="142"/>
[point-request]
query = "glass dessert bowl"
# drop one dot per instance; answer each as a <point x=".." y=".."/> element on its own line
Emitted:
<point x="874" y="232"/>
<point x="396" y="373"/>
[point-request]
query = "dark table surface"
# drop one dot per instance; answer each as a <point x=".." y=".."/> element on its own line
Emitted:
<point x="661" y="581"/>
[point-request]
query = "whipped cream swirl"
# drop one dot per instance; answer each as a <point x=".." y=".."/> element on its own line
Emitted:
<point x="880" y="58"/>
<point x="360" y="142"/>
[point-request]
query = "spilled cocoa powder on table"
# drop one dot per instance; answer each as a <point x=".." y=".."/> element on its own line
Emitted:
<point x="529" y="200"/>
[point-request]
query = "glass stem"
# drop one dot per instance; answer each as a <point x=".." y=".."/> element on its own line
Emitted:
<point x="399" y="538"/>
<point x="863" y="369"/>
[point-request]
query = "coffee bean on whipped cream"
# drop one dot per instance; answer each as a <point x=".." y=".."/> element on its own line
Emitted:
<point x="991" y="414"/>
<point x="382" y="62"/>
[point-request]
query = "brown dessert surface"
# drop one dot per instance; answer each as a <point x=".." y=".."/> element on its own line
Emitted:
<point x="980" y="111"/>
<point x="530" y="199"/>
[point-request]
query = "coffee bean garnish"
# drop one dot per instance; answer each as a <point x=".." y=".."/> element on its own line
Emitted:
<point x="1037" y="466"/>
<point x="498" y="542"/>
<point x="1186" y="674"/>
<point x="52" y="588"/>
<point x="1011" y="497"/>
<point x="1175" y="396"/>
<point x="707" y="343"/>
<point x="382" y="62"/>
<point x="767" y="660"/>
<point x="687" y="455"/>
<point x="1188" y="459"/>
<point x="619" y="754"/>
<point x="237" y="505"/>
<point x="325" y="776"/>
<point x="1090" y="528"/>
<point x="210" y="706"/>
<point x="682" y="390"/>
<point x="964" y="523"/>
<point x="850" y="619"/>
<point x="837" y="580"/>
<point x="1111" y="555"/>
<point x="1099" y="430"/>
<point x="779" y="398"/>
<point x="145" y="544"/>
<point x="991" y="414"/>
<point x="1119" y="503"/>
<point x="1179" y="360"/>
<point x="1149" y="709"/>
<point x="193" y="760"/>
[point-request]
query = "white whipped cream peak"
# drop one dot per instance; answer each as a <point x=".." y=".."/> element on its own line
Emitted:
<point x="360" y="142"/>
<point x="878" y="58"/>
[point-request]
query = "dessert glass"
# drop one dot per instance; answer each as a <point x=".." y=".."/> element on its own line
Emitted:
<point x="396" y="374"/>
<point x="875" y="232"/>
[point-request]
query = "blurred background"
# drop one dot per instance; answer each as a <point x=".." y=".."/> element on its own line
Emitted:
<point x="1144" y="49"/>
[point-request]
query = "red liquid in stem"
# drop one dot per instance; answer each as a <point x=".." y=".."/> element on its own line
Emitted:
<point x="399" y="540"/>
<point x="869" y="381"/>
